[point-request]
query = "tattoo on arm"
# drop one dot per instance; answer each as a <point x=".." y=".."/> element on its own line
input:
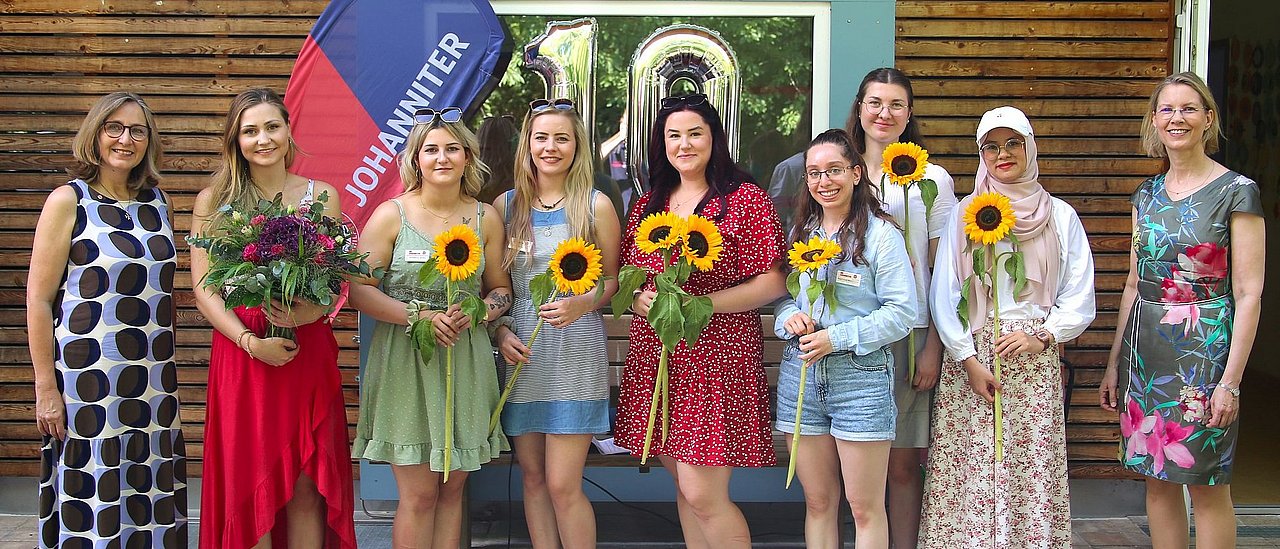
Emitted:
<point x="499" y="301"/>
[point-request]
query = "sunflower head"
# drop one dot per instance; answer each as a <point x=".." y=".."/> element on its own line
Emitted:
<point x="988" y="218"/>
<point x="458" y="253"/>
<point x="702" y="242"/>
<point x="659" y="231"/>
<point x="904" y="163"/>
<point x="808" y="256"/>
<point x="576" y="266"/>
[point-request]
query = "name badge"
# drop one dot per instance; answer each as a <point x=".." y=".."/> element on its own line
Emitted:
<point x="848" y="279"/>
<point x="417" y="256"/>
<point x="524" y="246"/>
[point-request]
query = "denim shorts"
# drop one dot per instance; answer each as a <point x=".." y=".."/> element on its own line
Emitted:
<point x="847" y="396"/>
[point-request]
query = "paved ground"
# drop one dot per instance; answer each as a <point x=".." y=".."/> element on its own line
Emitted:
<point x="650" y="526"/>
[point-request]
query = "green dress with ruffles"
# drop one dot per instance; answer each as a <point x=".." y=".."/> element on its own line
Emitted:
<point x="402" y="398"/>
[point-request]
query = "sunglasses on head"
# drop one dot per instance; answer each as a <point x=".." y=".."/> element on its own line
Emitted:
<point x="429" y="116"/>
<point x="692" y="100"/>
<point x="539" y="105"/>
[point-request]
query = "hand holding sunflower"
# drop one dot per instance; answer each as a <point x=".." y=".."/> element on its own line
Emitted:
<point x="807" y="258"/>
<point x="904" y="165"/>
<point x="686" y="244"/>
<point x="988" y="219"/>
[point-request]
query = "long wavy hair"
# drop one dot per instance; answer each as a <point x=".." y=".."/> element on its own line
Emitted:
<point x="231" y="182"/>
<point x="472" y="175"/>
<point x="577" y="185"/>
<point x="88" y="159"/>
<point x="723" y="175"/>
<point x="862" y="207"/>
<point x="883" y="75"/>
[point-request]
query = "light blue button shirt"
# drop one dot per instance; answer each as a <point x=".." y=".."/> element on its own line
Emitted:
<point x="875" y="301"/>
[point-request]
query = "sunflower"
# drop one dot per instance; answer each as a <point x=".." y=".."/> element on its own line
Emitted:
<point x="904" y="163"/>
<point x="659" y="231"/>
<point x="807" y="256"/>
<point x="457" y="253"/>
<point x="988" y="218"/>
<point x="702" y="242"/>
<point x="575" y="266"/>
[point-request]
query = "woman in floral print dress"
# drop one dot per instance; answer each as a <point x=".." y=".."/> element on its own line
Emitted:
<point x="1191" y="305"/>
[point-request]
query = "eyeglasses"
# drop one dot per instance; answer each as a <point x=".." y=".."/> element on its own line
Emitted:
<point x="875" y="106"/>
<point x="692" y="100"/>
<point x="429" y="116"/>
<point x="1188" y="111"/>
<point x="539" y="105"/>
<point x="137" y="132"/>
<point x="815" y="176"/>
<point x="992" y="150"/>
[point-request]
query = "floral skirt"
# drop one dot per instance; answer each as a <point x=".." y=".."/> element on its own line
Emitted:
<point x="970" y="501"/>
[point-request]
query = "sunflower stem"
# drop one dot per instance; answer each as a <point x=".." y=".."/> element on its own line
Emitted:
<point x="795" y="432"/>
<point x="653" y="405"/>
<point x="999" y="405"/>
<point x="511" y="382"/>
<point x="448" y="394"/>
<point x="906" y="226"/>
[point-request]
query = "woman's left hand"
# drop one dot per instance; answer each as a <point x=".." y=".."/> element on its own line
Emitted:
<point x="563" y="312"/>
<point x="814" y="346"/>
<point x="300" y="313"/>
<point x="1017" y="343"/>
<point x="1224" y="408"/>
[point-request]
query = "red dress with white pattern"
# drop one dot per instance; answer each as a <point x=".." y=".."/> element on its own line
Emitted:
<point x="718" y="389"/>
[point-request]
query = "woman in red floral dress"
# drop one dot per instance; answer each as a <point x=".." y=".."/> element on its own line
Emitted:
<point x="718" y="390"/>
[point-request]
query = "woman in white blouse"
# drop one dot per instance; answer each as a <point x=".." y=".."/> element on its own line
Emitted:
<point x="1020" y="500"/>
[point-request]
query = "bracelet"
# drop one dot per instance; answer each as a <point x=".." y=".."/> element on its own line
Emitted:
<point x="1234" y="390"/>
<point x="248" y="347"/>
<point x="240" y="338"/>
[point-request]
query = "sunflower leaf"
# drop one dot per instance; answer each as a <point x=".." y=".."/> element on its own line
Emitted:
<point x="424" y="336"/>
<point x="667" y="319"/>
<point x="428" y="273"/>
<point x="980" y="262"/>
<point x="793" y="284"/>
<point x="474" y="307"/>
<point x="1017" y="271"/>
<point x="813" y="292"/>
<point x="829" y="297"/>
<point x="697" y="313"/>
<point x="1013" y="239"/>
<point x="928" y="194"/>
<point x="962" y="308"/>
<point x="630" y="278"/>
<point x="540" y="287"/>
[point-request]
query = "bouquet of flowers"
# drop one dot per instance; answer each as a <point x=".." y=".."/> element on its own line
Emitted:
<point x="807" y="258"/>
<point x="456" y="257"/>
<point x="575" y="268"/>
<point x="903" y="165"/>
<point x="987" y="220"/>
<point x="280" y="252"/>
<point x="675" y="315"/>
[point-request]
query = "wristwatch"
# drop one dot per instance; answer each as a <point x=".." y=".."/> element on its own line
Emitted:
<point x="1235" y="391"/>
<point x="1044" y="336"/>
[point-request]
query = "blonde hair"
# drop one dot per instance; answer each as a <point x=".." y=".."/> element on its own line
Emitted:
<point x="85" y="145"/>
<point x="1151" y="139"/>
<point x="578" y="185"/>
<point x="472" y="175"/>
<point x="231" y="182"/>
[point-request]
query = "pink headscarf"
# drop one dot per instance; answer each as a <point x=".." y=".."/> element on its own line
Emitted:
<point x="1037" y="235"/>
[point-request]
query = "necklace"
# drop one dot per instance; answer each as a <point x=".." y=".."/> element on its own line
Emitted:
<point x="553" y="204"/>
<point x="675" y="204"/>
<point x="1180" y="194"/>
<point x="445" y="217"/>
<point x="120" y="203"/>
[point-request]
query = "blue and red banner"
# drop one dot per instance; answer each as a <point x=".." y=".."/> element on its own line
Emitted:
<point x="366" y="66"/>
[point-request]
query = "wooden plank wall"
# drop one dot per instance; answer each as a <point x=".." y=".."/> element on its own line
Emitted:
<point x="1080" y="69"/>
<point x="1082" y="72"/>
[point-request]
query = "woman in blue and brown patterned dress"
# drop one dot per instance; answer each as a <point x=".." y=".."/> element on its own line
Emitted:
<point x="1191" y="305"/>
<point x="100" y="321"/>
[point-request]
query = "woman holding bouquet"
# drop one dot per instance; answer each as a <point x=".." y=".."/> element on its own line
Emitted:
<point x="277" y="468"/>
<point x="719" y="395"/>
<point x="402" y="405"/>
<point x="848" y="424"/>
<point x="1190" y="315"/>
<point x="882" y="115"/>
<point x="562" y="396"/>
<point x="100" y="317"/>
<point x="1020" y="500"/>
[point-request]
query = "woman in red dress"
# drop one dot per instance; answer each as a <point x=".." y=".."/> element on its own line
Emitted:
<point x="277" y="465"/>
<point x="718" y="390"/>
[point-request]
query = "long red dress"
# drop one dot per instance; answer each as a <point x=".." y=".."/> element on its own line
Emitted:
<point x="719" y="392"/>
<point x="264" y="426"/>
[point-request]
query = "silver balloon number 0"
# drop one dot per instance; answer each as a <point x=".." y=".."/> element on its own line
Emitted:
<point x="687" y="57"/>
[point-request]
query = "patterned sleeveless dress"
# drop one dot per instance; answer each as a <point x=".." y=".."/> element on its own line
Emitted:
<point x="119" y="478"/>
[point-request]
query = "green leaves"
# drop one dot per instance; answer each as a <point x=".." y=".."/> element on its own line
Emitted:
<point x="962" y="308"/>
<point x="474" y="307"/>
<point x="540" y="287"/>
<point x="697" y="313"/>
<point x="1015" y="265"/>
<point x="667" y="319"/>
<point x="793" y="284"/>
<point x="928" y="194"/>
<point x="428" y="273"/>
<point x="630" y="278"/>
<point x="424" y="336"/>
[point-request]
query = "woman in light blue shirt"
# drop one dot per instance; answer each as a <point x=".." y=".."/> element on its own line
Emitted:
<point x="848" y="419"/>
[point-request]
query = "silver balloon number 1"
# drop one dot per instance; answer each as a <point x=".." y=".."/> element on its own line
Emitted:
<point x="688" y="56"/>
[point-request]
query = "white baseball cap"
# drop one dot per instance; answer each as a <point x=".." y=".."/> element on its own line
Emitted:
<point x="1004" y="117"/>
